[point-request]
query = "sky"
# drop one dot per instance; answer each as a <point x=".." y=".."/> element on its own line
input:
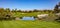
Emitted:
<point x="28" y="4"/>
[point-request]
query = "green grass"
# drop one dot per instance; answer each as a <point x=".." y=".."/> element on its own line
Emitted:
<point x="28" y="24"/>
<point x="19" y="14"/>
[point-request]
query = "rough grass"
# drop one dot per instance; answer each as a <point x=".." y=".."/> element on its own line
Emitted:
<point x="29" y="24"/>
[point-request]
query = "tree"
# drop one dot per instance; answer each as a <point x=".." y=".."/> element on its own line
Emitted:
<point x="56" y="9"/>
<point x="35" y="10"/>
<point x="1" y="10"/>
<point x="15" y="9"/>
<point x="7" y="10"/>
<point x="18" y="10"/>
<point x="5" y="14"/>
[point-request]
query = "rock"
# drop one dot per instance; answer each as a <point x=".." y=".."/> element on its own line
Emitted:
<point x="57" y="14"/>
<point x="17" y="18"/>
<point x="42" y="16"/>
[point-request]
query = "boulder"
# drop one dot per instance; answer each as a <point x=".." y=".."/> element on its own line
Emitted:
<point x="42" y="16"/>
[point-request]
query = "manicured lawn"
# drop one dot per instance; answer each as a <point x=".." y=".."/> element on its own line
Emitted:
<point x="28" y="24"/>
<point x="19" y="14"/>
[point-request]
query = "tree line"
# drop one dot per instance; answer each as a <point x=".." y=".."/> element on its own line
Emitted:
<point x="6" y="14"/>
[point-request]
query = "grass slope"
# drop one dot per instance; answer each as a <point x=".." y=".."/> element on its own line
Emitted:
<point x="28" y="24"/>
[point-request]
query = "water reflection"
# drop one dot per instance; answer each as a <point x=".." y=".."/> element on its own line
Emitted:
<point x="27" y="18"/>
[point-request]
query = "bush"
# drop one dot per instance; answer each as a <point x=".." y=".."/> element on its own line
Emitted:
<point x="58" y="19"/>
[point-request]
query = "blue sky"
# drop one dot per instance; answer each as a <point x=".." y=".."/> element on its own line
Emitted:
<point x="28" y="4"/>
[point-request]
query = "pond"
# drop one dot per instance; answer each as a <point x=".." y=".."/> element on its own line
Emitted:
<point x="27" y="18"/>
